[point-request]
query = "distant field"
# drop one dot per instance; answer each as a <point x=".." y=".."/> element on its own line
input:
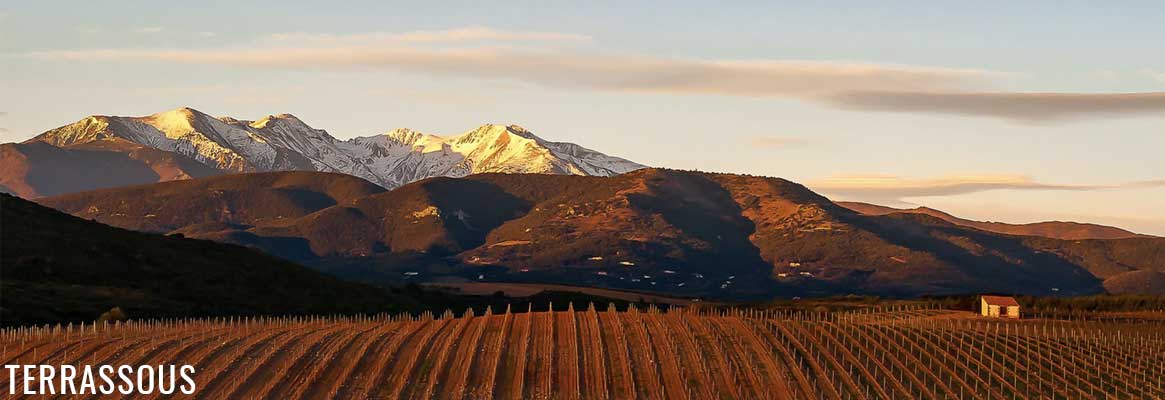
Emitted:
<point x="681" y="354"/>
<point x="530" y="289"/>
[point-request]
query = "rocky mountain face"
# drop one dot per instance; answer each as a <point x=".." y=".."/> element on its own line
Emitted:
<point x="285" y="143"/>
<point x="678" y="232"/>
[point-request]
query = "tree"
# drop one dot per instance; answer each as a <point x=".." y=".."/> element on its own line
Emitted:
<point x="114" y="314"/>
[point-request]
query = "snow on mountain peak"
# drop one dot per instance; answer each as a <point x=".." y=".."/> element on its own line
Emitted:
<point x="279" y="118"/>
<point x="408" y="137"/>
<point x="284" y="142"/>
<point x="411" y="155"/>
<point x="174" y="123"/>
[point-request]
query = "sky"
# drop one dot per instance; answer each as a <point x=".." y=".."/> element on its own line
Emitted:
<point x="1042" y="110"/>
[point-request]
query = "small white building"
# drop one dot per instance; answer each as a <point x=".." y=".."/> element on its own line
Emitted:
<point x="999" y="307"/>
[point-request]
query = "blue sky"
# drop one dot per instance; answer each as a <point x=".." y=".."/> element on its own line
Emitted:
<point x="989" y="110"/>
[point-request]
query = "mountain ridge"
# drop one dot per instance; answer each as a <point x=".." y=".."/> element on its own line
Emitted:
<point x="37" y="169"/>
<point x="283" y="142"/>
<point x="1068" y="230"/>
<point x="684" y="232"/>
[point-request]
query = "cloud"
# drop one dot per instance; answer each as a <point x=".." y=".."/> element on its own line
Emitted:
<point x="1032" y="107"/>
<point x="149" y="29"/>
<point x="482" y="52"/>
<point x="625" y="73"/>
<point x="1143" y="184"/>
<point x="890" y="188"/>
<point x="779" y="142"/>
<point x="467" y="34"/>
<point x="206" y="34"/>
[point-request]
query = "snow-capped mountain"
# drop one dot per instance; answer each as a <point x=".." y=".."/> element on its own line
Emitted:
<point x="283" y="142"/>
<point x="403" y="155"/>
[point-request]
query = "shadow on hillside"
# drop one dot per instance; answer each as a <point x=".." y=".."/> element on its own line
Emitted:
<point x="473" y="208"/>
<point x="702" y="208"/>
<point x="72" y="170"/>
<point x="1010" y="267"/>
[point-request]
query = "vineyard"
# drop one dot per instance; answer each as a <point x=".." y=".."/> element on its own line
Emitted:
<point x="680" y="354"/>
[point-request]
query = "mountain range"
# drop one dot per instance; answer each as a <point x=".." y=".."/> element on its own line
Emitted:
<point x="658" y="230"/>
<point x="185" y="143"/>
<point x="500" y="204"/>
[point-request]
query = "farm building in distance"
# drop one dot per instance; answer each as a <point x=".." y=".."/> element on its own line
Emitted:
<point x="999" y="306"/>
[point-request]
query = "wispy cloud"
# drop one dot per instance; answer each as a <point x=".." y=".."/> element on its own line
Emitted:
<point x="149" y="29"/>
<point x="779" y="142"/>
<point x="489" y="53"/>
<point x="1032" y="107"/>
<point x="467" y="34"/>
<point x="628" y="73"/>
<point x="892" y="189"/>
